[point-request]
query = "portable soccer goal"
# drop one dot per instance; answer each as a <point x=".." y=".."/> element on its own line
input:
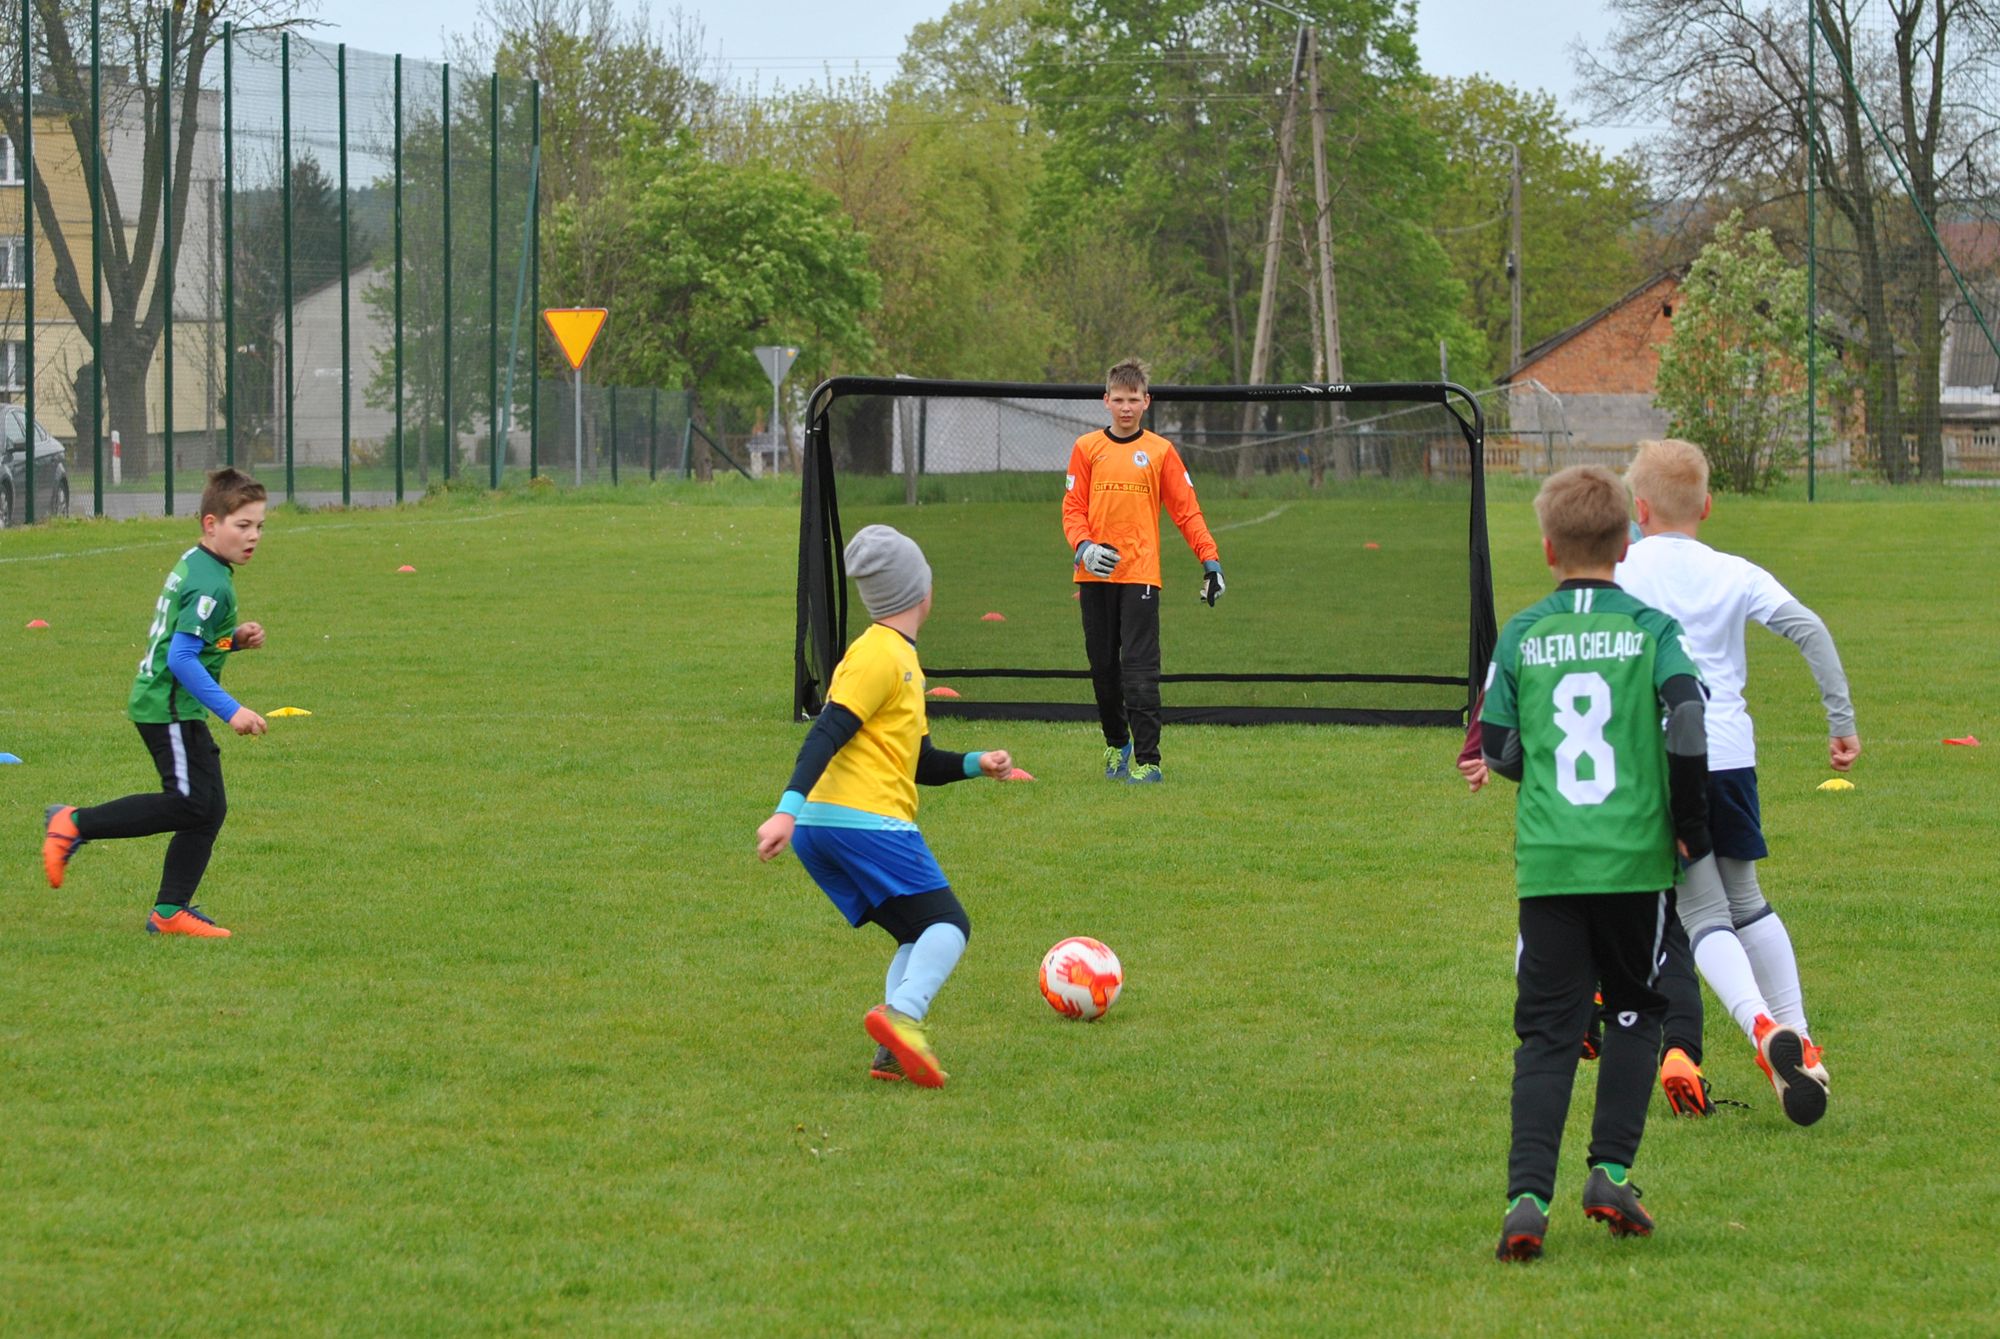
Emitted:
<point x="1351" y="521"/>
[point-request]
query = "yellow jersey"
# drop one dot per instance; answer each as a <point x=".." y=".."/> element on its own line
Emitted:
<point x="881" y="682"/>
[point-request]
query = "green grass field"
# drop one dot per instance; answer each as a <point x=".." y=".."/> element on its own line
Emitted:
<point x="516" y="1035"/>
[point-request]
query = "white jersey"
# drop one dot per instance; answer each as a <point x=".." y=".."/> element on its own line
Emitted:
<point x="1713" y="596"/>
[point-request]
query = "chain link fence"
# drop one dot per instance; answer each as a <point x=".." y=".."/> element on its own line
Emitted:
<point x="253" y="249"/>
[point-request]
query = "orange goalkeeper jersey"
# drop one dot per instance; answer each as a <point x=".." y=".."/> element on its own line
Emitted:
<point x="1113" y="495"/>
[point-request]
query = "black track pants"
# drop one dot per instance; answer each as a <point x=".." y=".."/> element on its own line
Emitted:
<point x="190" y="804"/>
<point x="1571" y="947"/>
<point x="1121" y="639"/>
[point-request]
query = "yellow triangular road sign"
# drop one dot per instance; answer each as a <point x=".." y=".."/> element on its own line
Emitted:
<point x="575" y="328"/>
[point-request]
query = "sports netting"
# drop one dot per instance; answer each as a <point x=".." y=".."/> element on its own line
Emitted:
<point x="1351" y="521"/>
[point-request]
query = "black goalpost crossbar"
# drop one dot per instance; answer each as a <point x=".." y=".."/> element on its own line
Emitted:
<point x="821" y="632"/>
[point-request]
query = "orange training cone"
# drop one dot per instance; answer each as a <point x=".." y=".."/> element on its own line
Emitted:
<point x="38" y="622"/>
<point x="992" y="618"/>
<point x="406" y="568"/>
<point x="942" y="691"/>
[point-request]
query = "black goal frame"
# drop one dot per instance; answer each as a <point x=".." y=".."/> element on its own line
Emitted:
<point x="822" y="574"/>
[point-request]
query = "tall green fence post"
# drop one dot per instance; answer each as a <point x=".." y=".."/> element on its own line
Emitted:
<point x="28" y="255"/>
<point x="653" y="439"/>
<point x="285" y="96"/>
<point x="535" y="284"/>
<point x="614" y="434"/>
<point x="1812" y="252"/>
<point x="167" y="241"/>
<point x="96" y="259"/>
<point x="399" y="276"/>
<point x="228" y="240"/>
<point x="450" y="423"/>
<point x="493" y="282"/>
<point x="346" y="327"/>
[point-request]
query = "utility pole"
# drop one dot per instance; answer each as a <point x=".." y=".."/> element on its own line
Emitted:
<point x="1514" y="258"/>
<point x="1260" y="347"/>
<point x="1328" y="299"/>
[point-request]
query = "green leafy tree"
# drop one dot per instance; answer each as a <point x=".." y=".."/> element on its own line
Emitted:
<point x="1732" y="377"/>
<point x="941" y="198"/>
<point x="716" y="258"/>
<point x="1163" y="116"/>
<point x="1578" y="211"/>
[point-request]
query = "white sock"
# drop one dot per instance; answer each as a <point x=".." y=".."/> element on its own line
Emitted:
<point x="1769" y="947"/>
<point x="898" y="966"/>
<point x="1726" y="968"/>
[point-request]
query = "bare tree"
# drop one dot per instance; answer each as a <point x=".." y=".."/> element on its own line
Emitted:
<point x="135" y="231"/>
<point x="1731" y="77"/>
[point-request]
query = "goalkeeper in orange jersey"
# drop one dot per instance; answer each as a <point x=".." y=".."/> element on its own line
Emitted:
<point x="1119" y="478"/>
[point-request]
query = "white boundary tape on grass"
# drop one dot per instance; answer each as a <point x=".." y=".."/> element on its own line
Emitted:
<point x="307" y="530"/>
<point x="1270" y="515"/>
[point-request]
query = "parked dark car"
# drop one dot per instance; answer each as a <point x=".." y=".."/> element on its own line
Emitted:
<point x="51" y="470"/>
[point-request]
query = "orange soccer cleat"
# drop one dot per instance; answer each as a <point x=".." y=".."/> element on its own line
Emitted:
<point x="1792" y="1064"/>
<point x="904" y="1036"/>
<point x="187" y="921"/>
<point x="1687" y="1091"/>
<point x="59" y="841"/>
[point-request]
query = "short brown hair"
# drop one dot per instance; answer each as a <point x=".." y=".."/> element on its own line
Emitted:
<point x="229" y="491"/>
<point x="1582" y="514"/>
<point x="1672" y="475"/>
<point x="1129" y="375"/>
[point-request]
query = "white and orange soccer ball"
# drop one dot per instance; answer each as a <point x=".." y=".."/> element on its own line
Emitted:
<point x="1081" y="978"/>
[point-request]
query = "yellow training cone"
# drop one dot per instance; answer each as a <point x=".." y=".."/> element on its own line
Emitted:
<point x="1835" y="783"/>
<point x="289" y="711"/>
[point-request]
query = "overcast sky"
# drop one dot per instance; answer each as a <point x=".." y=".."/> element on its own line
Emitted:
<point x="1520" y="42"/>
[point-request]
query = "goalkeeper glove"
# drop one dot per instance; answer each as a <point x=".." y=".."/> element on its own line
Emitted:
<point x="1211" y="581"/>
<point x="1100" y="560"/>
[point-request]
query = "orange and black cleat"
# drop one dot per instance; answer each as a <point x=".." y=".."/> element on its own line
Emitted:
<point x="885" y="1067"/>
<point x="59" y="841"/>
<point x="904" y="1037"/>
<point x="1593" y="1040"/>
<point x="187" y="921"/>
<point x="1686" y="1088"/>
<point x="1793" y="1066"/>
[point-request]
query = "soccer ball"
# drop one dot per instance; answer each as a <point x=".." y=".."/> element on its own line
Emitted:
<point x="1081" y="978"/>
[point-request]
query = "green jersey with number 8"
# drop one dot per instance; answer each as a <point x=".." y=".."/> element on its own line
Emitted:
<point x="1579" y="674"/>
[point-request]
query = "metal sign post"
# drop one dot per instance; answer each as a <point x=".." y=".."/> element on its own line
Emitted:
<point x="575" y="329"/>
<point x="777" y="360"/>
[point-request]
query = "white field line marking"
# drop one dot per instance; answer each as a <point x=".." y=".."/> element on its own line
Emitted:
<point x="308" y="530"/>
<point x="1271" y="515"/>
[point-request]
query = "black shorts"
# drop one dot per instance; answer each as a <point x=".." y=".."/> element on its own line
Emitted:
<point x="1734" y="819"/>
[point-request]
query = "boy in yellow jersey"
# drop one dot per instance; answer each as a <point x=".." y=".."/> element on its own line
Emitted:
<point x="1119" y="478"/>
<point x="850" y="809"/>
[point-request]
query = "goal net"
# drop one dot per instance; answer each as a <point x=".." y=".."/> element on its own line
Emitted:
<point x="1351" y="521"/>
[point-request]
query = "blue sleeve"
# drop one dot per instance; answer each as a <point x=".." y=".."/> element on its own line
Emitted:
<point x="184" y="659"/>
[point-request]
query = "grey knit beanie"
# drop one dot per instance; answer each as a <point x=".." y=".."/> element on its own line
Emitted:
<point x="889" y="569"/>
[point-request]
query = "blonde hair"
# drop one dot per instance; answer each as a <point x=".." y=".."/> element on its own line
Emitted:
<point x="1672" y="476"/>
<point x="1130" y="375"/>
<point x="1582" y="515"/>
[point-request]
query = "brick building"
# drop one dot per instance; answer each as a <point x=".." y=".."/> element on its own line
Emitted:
<point x="1593" y="384"/>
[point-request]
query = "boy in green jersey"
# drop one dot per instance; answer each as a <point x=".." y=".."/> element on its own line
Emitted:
<point x="194" y="628"/>
<point x="1573" y="705"/>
